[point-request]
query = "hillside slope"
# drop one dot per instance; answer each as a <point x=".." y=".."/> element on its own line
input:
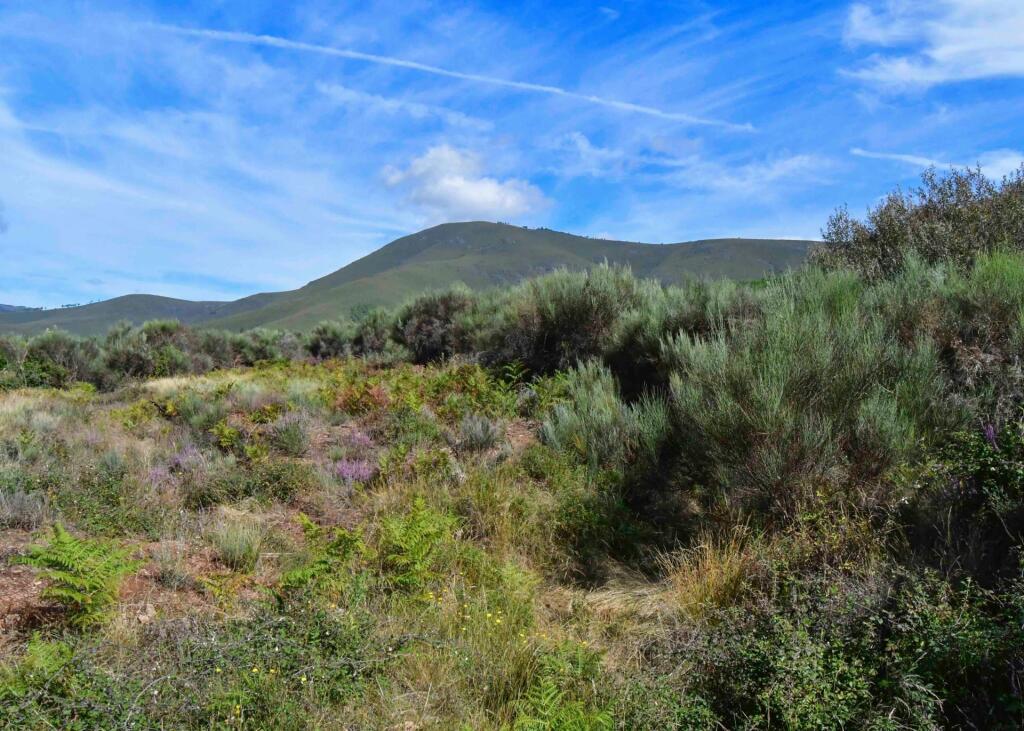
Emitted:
<point x="479" y="254"/>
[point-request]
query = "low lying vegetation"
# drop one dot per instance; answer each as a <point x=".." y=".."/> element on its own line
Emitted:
<point x="587" y="502"/>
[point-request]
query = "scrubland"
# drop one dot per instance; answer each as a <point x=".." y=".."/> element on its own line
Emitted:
<point x="585" y="502"/>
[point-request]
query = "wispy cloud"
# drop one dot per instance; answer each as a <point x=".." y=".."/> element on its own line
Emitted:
<point x="450" y="183"/>
<point x="915" y="160"/>
<point x="946" y="40"/>
<point x="390" y="105"/>
<point x="993" y="163"/>
<point x="695" y="171"/>
<point x="525" y="86"/>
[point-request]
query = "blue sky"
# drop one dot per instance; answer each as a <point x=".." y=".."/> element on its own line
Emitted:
<point x="211" y="150"/>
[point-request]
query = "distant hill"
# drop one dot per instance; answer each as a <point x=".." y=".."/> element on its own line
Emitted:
<point x="13" y="308"/>
<point x="480" y="254"/>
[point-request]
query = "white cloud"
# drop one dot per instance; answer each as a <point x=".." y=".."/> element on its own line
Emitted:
<point x="693" y="172"/>
<point x="993" y="163"/>
<point x="449" y="183"/>
<point x="353" y="97"/>
<point x="999" y="163"/>
<point x="917" y="161"/>
<point x="953" y="40"/>
<point x="287" y="44"/>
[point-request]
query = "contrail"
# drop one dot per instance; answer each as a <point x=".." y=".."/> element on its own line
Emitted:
<point x="924" y="162"/>
<point x="276" y="42"/>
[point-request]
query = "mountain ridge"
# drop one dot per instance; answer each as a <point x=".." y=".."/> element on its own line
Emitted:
<point x="478" y="253"/>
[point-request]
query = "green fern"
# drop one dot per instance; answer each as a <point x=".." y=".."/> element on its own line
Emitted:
<point x="83" y="574"/>
<point x="546" y="708"/>
<point x="330" y="554"/>
<point x="411" y="545"/>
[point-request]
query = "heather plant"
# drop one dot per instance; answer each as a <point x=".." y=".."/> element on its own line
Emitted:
<point x="290" y="434"/>
<point x="352" y="471"/>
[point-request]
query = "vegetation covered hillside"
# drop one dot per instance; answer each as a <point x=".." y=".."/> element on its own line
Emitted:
<point x="478" y="254"/>
<point x="589" y="501"/>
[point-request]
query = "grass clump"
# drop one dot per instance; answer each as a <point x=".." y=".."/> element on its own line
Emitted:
<point x="238" y="541"/>
<point x="478" y="433"/>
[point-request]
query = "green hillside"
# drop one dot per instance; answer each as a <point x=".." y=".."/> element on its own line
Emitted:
<point x="480" y="254"/>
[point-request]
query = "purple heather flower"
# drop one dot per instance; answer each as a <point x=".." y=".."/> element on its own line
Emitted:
<point x="186" y="458"/>
<point x="360" y="439"/>
<point x="990" y="435"/>
<point x="350" y="471"/>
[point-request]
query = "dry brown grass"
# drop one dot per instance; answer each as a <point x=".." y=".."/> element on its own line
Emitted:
<point x="715" y="573"/>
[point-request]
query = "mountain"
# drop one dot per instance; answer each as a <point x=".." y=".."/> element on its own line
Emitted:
<point x="13" y="308"/>
<point x="480" y="254"/>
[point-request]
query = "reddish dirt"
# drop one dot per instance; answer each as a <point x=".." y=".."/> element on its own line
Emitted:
<point x="521" y="433"/>
<point x="20" y="603"/>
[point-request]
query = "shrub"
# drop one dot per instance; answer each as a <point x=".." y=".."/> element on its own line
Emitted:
<point x="25" y="510"/>
<point x="554" y="321"/>
<point x="279" y="479"/>
<point x="83" y="575"/>
<point x="635" y="351"/>
<point x="952" y="217"/>
<point x="429" y="326"/>
<point x="58" y="359"/>
<point x="352" y="471"/>
<point x="373" y="333"/>
<point x="965" y="505"/>
<point x="816" y="392"/>
<point x="257" y="346"/>
<point x="596" y="427"/>
<point x="290" y="434"/>
<point x="477" y="433"/>
<point x="331" y="340"/>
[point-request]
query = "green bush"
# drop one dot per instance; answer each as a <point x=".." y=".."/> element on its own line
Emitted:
<point x="816" y="392"/>
<point x="430" y="326"/>
<point x="952" y="217"/>
<point x="331" y="340"/>
<point x="279" y="479"/>
<point x="373" y="333"/>
<point x="290" y="434"/>
<point x="83" y="575"/>
<point x="58" y="359"/>
<point x="598" y="428"/>
<point x="555" y="321"/>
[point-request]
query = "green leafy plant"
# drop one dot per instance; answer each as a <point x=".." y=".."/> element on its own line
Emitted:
<point x="412" y="544"/>
<point x="83" y="575"/>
